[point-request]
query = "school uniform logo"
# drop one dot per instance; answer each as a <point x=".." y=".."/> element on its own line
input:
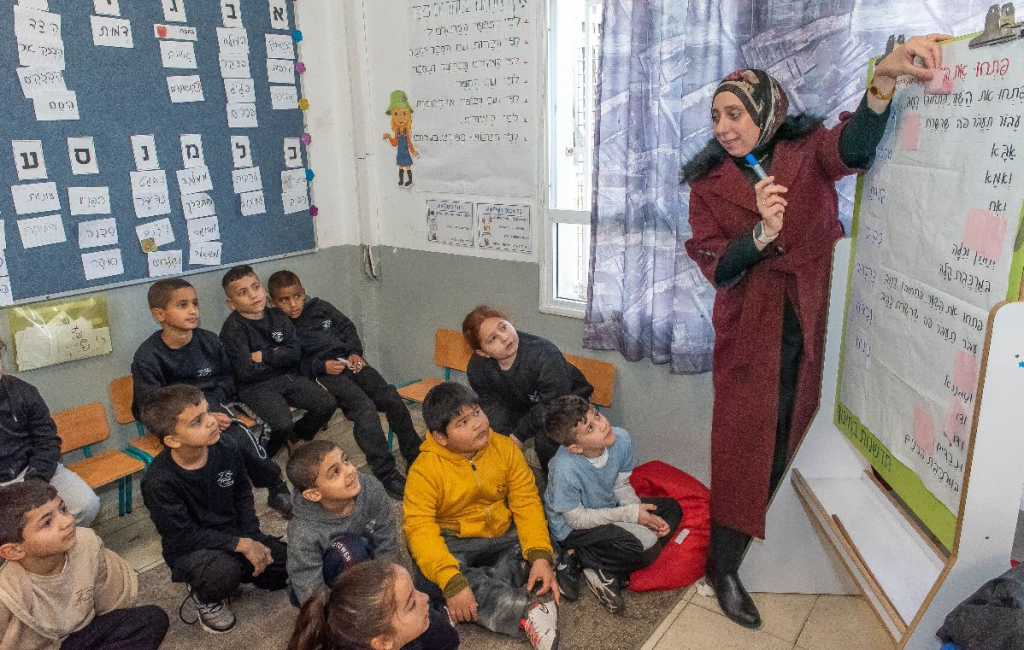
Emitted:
<point x="534" y="397"/>
<point x="277" y="336"/>
<point x="226" y="478"/>
<point x="327" y="324"/>
<point x="204" y="372"/>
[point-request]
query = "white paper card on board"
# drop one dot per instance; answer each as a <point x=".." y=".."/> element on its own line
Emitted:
<point x="102" y="264"/>
<point x="41" y="5"/>
<point x="280" y="71"/>
<point x="292" y="152"/>
<point x="82" y="152"/>
<point x="35" y="197"/>
<point x="37" y="80"/>
<point x="41" y="231"/>
<point x="284" y="97"/>
<point x="28" y="159"/>
<point x="151" y="204"/>
<point x="159" y="231"/>
<point x="3" y="236"/>
<point x="174" y="11"/>
<point x="6" y="293"/>
<point x="111" y="32"/>
<point x="176" y="32"/>
<point x="32" y="24"/>
<point x="247" y="180"/>
<point x="55" y="106"/>
<point x="100" y="232"/>
<point x="197" y="205"/>
<point x="178" y="54"/>
<point x="144" y="148"/>
<point x="206" y="253"/>
<point x="89" y="200"/>
<point x="107" y="7"/>
<point x="192" y="150"/>
<point x="232" y="41"/>
<point x="195" y="179"/>
<point x="148" y="181"/>
<point x="235" y="66"/>
<point x="41" y="53"/>
<point x="240" y="91"/>
<point x="252" y="203"/>
<point x="185" y="89"/>
<point x="278" y="14"/>
<point x="3" y="264"/>
<point x="242" y="116"/>
<point x="295" y="202"/>
<point x="164" y="263"/>
<point x="280" y="46"/>
<point x="241" y="154"/>
<point x="205" y="229"/>
<point x="231" y="12"/>
<point x="293" y="180"/>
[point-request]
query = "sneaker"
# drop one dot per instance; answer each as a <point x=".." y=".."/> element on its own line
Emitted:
<point x="541" y="626"/>
<point x="607" y="590"/>
<point x="568" y="573"/>
<point x="280" y="499"/>
<point x="394" y="484"/>
<point x="213" y="617"/>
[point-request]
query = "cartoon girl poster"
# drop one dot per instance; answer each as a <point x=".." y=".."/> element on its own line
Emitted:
<point x="401" y="135"/>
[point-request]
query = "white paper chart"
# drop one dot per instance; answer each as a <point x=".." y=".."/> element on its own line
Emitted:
<point x="450" y="223"/>
<point x="936" y="236"/>
<point x="504" y="227"/>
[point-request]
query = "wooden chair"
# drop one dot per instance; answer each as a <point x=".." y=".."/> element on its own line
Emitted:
<point x="451" y="352"/>
<point x="601" y="376"/>
<point x="83" y="426"/>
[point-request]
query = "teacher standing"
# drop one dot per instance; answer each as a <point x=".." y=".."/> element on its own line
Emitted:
<point x="767" y="247"/>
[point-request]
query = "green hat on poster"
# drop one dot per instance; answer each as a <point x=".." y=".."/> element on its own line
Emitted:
<point x="398" y="100"/>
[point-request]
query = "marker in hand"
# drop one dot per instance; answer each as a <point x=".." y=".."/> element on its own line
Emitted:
<point x="756" y="166"/>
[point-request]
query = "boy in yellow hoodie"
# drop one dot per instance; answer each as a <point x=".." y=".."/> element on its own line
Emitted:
<point x="475" y="523"/>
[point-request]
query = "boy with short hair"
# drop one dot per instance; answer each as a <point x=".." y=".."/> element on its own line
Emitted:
<point x="593" y="511"/>
<point x="59" y="587"/>
<point x="473" y="520"/>
<point x="30" y="448"/>
<point x="333" y="354"/>
<point x="184" y="353"/>
<point x="200" y="499"/>
<point x="264" y="353"/>
<point x="332" y="499"/>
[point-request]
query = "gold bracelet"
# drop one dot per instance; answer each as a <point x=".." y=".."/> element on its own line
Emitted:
<point x="877" y="94"/>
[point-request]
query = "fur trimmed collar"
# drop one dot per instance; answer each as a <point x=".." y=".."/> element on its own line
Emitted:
<point x="795" y="127"/>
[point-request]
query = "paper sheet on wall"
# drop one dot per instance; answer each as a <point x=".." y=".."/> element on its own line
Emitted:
<point x="46" y="334"/>
<point x="473" y="92"/>
<point x="102" y="264"/>
<point x="450" y="223"/>
<point x="504" y="227"/>
<point x="935" y="241"/>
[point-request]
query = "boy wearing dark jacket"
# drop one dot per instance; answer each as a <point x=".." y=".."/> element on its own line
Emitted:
<point x="183" y="353"/>
<point x="332" y="353"/>
<point x="265" y="353"/>
<point x="30" y="448"/>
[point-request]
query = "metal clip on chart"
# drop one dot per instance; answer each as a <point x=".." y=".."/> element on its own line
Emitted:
<point x="1000" y="27"/>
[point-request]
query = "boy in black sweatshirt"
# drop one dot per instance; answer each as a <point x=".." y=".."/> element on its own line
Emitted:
<point x="200" y="500"/>
<point x="264" y="353"/>
<point x="183" y="353"/>
<point x="333" y="354"/>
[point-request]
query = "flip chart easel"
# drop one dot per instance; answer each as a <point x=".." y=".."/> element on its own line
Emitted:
<point x="833" y="529"/>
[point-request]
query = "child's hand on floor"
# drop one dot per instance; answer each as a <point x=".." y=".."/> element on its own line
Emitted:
<point x="462" y="606"/>
<point x="257" y="554"/>
<point x="543" y="577"/>
<point x="652" y="521"/>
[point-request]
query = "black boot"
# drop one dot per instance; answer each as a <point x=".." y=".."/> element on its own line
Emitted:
<point x="409" y="182"/>
<point x="725" y="553"/>
<point x="401" y="177"/>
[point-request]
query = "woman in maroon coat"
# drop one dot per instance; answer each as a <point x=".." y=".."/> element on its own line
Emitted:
<point x="767" y="247"/>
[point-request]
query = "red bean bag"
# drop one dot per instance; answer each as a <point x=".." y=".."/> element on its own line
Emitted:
<point x="681" y="562"/>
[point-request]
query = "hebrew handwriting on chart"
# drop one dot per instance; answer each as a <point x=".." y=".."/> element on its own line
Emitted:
<point x="46" y="334"/>
<point x="473" y="95"/>
<point x="935" y="245"/>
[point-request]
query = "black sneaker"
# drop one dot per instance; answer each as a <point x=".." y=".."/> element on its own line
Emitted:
<point x="394" y="484"/>
<point x="280" y="499"/>
<point x="568" y="573"/>
<point x="607" y="589"/>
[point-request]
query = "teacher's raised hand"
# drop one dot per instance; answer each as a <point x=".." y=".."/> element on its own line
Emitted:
<point x="900" y="61"/>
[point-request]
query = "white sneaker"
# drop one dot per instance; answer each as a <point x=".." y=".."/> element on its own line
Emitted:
<point x="213" y="617"/>
<point x="541" y="626"/>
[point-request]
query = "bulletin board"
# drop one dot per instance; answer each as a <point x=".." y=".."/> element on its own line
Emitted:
<point x="148" y="138"/>
<point x="937" y="244"/>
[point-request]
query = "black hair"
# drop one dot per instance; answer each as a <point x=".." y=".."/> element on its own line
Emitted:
<point x="444" y="403"/>
<point x="160" y="292"/>
<point x="16" y="501"/>
<point x="236" y="273"/>
<point x="563" y="414"/>
<point x="304" y="465"/>
<point x="282" y="280"/>
<point x="160" y="411"/>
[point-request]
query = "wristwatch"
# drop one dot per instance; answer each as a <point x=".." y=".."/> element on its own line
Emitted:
<point x="877" y="94"/>
<point x="761" y="237"/>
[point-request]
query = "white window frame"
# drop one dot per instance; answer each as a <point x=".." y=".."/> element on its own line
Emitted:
<point x="550" y="303"/>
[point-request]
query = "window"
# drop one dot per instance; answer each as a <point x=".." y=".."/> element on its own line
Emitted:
<point x="574" y="48"/>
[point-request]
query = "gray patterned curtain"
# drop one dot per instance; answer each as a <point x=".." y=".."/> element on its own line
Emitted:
<point x="660" y="63"/>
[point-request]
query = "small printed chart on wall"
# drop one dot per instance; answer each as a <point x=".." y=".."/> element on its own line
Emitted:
<point x="473" y="97"/>
<point x="148" y="138"/>
<point x="938" y="243"/>
<point x="487" y="226"/>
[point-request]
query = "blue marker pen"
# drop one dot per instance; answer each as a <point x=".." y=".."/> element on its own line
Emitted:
<point x="756" y="166"/>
